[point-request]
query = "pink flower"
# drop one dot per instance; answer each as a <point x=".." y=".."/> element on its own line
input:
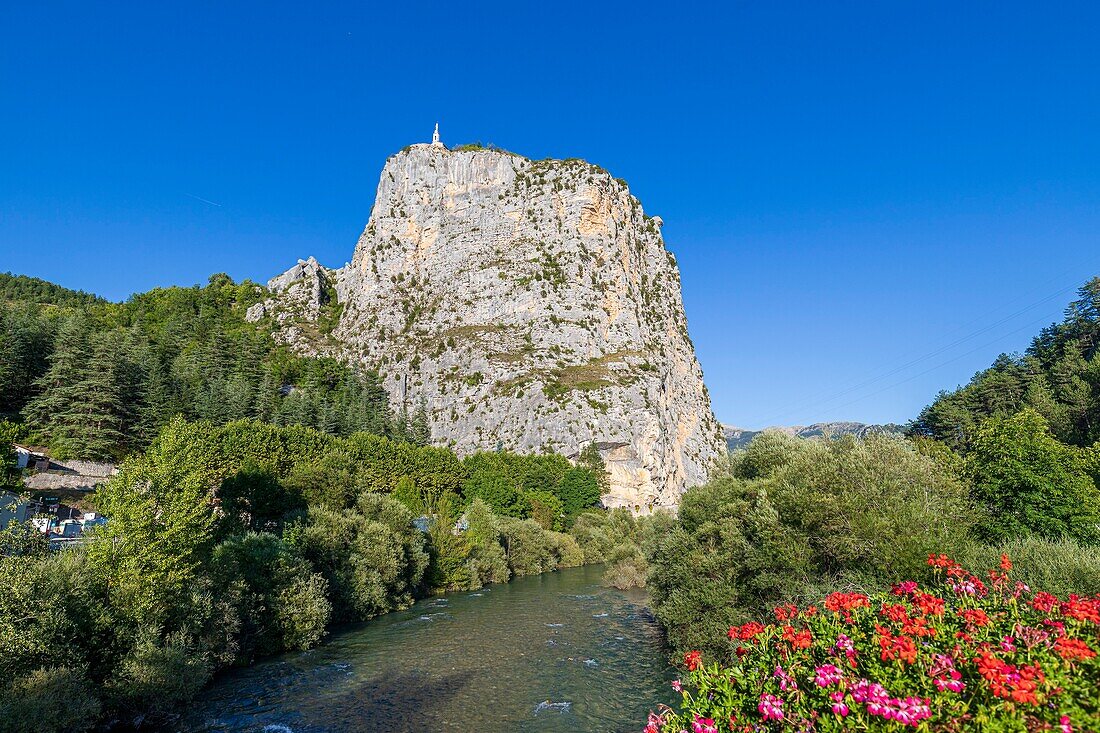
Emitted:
<point x="1064" y="725"/>
<point x="771" y="707"/>
<point x="703" y="725"/>
<point x="843" y="643"/>
<point x="786" y="682"/>
<point x="907" y="711"/>
<point x="1007" y="644"/>
<point x="904" y="589"/>
<point x="953" y="683"/>
<point x="827" y="675"/>
<point x="677" y="686"/>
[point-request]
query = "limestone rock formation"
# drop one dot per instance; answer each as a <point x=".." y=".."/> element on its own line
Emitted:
<point x="529" y="305"/>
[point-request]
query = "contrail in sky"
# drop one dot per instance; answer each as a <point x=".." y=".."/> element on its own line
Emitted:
<point x="199" y="198"/>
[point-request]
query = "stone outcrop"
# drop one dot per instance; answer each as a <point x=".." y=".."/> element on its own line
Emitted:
<point x="529" y="305"/>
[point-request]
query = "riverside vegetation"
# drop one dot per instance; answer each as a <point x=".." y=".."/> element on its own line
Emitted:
<point x="263" y="497"/>
<point x="1002" y="473"/>
<point x="229" y="543"/>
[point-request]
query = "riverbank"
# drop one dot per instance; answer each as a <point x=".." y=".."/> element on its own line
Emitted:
<point x="547" y="653"/>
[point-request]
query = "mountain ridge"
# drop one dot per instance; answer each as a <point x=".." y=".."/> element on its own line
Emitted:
<point x="741" y="437"/>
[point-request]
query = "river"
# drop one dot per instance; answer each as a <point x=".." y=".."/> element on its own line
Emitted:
<point x="550" y="653"/>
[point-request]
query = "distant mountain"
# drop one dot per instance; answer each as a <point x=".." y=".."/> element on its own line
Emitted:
<point x="741" y="437"/>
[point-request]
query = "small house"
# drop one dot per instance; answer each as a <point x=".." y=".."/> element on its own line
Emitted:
<point x="14" y="509"/>
<point x="34" y="457"/>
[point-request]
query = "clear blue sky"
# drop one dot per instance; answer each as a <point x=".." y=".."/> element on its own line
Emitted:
<point x="868" y="200"/>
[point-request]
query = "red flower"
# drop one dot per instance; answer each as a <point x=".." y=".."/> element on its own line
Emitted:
<point x="896" y="647"/>
<point x="846" y="601"/>
<point x="1006" y="564"/>
<point x="975" y="617"/>
<point x="1044" y="602"/>
<point x="940" y="561"/>
<point x="1009" y="682"/>
<point x="917" y="627"/>
<point x="786" y="611"/>
<point x="1082" y="609"/>
<point x="798" y="639"/>
<point x="929" y="604"/>
<point x="745" y="632"/>
<point x="693" y="660"/>
<point x="1071" y="649"/>
<point x="896" y="613"/>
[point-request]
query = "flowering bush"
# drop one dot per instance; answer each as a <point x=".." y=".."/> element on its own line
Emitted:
<point x="965" y="653"/>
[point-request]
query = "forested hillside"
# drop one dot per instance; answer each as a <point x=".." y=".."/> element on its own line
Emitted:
<point x="95" y="379"/>
<point x="1058" y="376"/>
<point x="37" y="290"/>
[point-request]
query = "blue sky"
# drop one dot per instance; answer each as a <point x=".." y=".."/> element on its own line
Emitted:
<point x="868" y="200"/>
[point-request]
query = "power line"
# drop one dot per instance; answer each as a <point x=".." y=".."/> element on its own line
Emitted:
<point x="1026" y="326"/>
<point x="913" y="362"/>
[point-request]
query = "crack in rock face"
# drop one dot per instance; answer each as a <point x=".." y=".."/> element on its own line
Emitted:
<point x="526" y="305"/>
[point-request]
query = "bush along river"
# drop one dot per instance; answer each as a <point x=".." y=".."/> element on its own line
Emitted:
<point x="553" y="652"/>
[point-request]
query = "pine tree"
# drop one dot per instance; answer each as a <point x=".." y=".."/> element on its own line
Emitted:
<point x="591" y="459"/>
<point x="58" y="387"/>
<point x="420" y="431"/>
<point x="161" y="402"/>
<point x="93" y="424"/>
<point x="81" y="409"/>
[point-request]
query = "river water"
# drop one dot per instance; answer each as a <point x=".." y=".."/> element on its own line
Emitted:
<point x="550" y="653"/>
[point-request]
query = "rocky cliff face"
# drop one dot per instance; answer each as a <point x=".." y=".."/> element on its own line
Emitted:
<point x="529" y="305"/>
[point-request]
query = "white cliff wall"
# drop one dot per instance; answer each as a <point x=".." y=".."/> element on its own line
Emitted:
<point x="529" y="305"/>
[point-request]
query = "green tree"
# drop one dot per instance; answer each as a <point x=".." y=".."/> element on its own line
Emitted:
<point x="579" y="489"/>
<point x="420" y="431"/>
<point x="282" y="604"/>
<point x="9" y="474"/>
<point x="591" y="459"/>
<point x="546" y="509"/>
<point x="496" y="490"/>
<point x="253" y="499"/>
<point x="151" y="552"/>
<point x="1030" y="482"/>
